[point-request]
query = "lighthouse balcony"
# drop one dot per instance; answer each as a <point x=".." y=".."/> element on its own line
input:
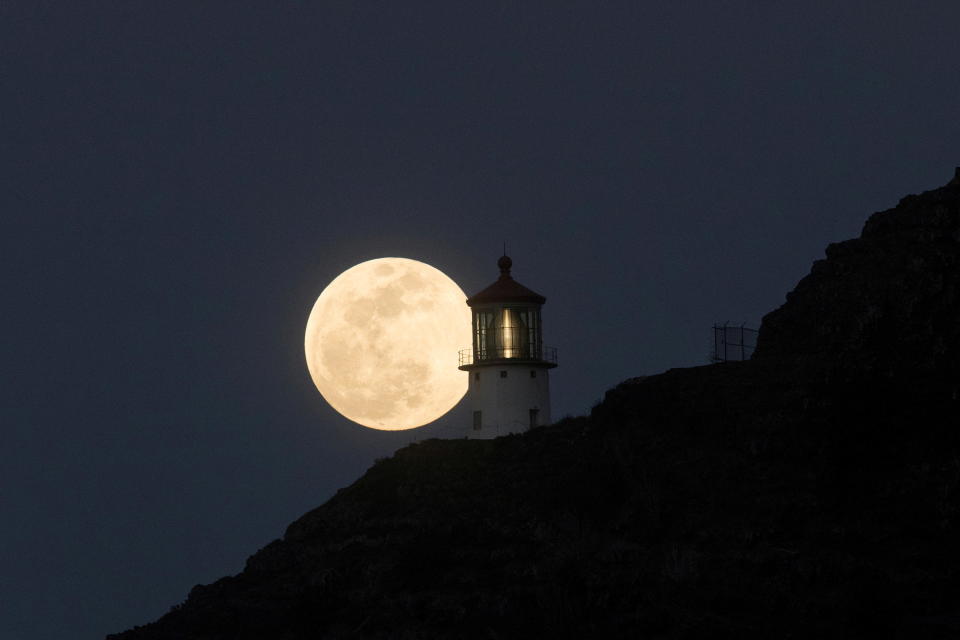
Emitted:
<point x="543" y="357"/>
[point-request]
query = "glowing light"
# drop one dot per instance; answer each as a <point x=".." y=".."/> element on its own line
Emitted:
<point x="509" y="322"/>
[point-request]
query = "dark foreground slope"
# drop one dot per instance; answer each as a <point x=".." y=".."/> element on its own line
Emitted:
<point x="811" y="492"/>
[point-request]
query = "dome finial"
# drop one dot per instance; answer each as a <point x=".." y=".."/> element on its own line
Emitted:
<point x="504" y="263"/>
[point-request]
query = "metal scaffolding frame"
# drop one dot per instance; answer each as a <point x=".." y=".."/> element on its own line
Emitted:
<point x="732" y="343"/>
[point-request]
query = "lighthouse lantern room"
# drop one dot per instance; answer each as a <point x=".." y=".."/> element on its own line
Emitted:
<point x="509" y="388"/>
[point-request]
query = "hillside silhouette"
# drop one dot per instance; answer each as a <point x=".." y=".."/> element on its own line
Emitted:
<point x="812" y="491"/>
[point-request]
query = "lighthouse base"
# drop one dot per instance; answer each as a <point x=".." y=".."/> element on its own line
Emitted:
<point x="507" y="398"/>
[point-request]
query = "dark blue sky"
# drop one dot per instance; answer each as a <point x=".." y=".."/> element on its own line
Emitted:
<point x="180" y="180"/>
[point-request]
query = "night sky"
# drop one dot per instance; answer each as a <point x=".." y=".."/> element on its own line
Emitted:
<point x="181" y="180"/>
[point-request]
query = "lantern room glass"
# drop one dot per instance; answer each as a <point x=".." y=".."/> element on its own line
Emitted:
<point x="507" y="332"/>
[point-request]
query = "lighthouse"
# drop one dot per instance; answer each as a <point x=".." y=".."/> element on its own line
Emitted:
<point x="508" y="364"/>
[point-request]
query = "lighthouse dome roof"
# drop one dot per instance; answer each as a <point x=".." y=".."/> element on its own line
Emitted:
<point x="505" y="289"/>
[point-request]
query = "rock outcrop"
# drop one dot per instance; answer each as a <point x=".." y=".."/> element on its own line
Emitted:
<point x="813" y="491"/>
<point x="885" y="303"/>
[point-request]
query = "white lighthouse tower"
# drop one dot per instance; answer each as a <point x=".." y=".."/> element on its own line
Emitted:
<point x="509" y="390"/>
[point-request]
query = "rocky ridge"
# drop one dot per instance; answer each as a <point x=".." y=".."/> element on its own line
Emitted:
<point x="813" y="491"/>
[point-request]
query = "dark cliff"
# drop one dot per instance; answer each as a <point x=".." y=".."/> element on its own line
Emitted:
<point x="813" y="491"/>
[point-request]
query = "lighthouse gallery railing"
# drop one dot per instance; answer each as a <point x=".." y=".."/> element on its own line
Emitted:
<point x="543" y="354"/>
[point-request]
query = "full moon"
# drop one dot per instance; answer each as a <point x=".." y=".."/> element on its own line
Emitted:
<point x="382" y="342"/>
